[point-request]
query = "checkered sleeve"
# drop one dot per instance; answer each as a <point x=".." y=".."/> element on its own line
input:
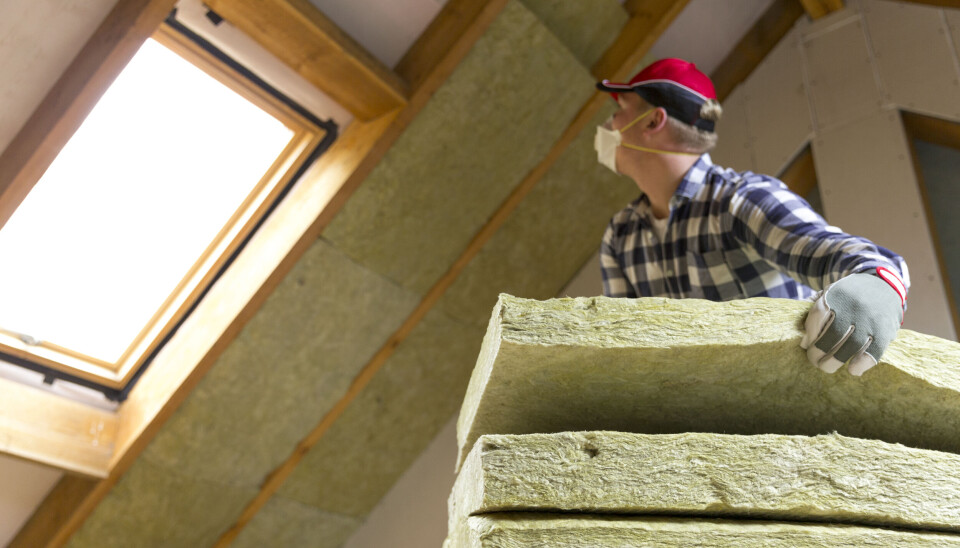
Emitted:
<point x="794" y="239"/>
<point x="615" y="283"/>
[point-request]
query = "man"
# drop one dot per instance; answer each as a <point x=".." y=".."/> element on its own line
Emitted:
<point x="702" y="231"/>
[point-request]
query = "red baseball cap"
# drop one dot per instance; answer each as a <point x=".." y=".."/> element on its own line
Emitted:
<point x="674" y="84"/>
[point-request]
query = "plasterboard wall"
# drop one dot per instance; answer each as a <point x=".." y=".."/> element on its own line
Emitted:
<point x="839" y="83"/>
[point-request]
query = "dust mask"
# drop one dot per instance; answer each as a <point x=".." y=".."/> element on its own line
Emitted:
<point x="608" y="140"/>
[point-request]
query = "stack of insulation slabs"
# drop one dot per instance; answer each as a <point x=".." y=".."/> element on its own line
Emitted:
<point x="652" y="422"/>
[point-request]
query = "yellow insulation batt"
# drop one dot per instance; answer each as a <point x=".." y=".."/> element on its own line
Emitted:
<point x="667" y="366"/>
<point x="561" y="531"/>
<point x="829" y="478"/>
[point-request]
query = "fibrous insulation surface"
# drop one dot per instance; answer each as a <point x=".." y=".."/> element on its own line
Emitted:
<point x="823" y="478"/>
<point x="560" y="531"/>
<point x="470" y="146"/>
<point x="666" y="366"/>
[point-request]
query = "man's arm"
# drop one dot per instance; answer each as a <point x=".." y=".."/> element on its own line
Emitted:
<point x="794" y="239"/>
<point x="864" y="285"/>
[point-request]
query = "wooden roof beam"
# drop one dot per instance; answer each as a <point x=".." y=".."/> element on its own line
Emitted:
<point x="301" y="36"/>
<point x="819" y="8"/>
<point x="759" y="41"/>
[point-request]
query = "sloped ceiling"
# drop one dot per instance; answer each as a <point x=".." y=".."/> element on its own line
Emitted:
<point x="482" y="132"/>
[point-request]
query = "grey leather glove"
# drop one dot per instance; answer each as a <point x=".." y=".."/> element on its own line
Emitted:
<point x="854" y="320"/>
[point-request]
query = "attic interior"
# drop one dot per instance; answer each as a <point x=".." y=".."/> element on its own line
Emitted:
<point x="302" y="386"/>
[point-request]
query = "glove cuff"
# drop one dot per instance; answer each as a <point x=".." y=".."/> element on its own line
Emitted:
<point x="895" y="282"/>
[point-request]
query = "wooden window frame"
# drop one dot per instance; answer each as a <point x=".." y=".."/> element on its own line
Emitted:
<point x="307" y="137"/>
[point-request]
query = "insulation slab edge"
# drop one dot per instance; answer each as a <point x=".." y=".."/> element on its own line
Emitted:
<point x="561" y="531"/>
<point x="666" y="366"/>
<point x="828" y="478"/>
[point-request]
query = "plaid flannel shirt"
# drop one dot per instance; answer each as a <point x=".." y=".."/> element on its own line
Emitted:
<point x="732" y="235"/>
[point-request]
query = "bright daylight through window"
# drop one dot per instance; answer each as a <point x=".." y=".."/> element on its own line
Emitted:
<point x="157" y="178"/>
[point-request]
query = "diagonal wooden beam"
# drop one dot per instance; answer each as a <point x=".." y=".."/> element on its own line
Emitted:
<point x="648" y="20"/>
<point x="819" y="8"/>
<point x="298" y="34"/>
<point x="634" y="41"/>
<point x="766" y="33"/>
<point x="74" y="95"/>
<point x="45" y="523"/>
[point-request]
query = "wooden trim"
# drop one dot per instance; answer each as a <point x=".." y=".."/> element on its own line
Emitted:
<point x="759" y="41"/>
<point x="648" y="20"/>
<point x="618" y="60"/>
<point x="933" y="130"/>
<point x="41" y="528"/>
<point x="820" y="8"/>
<point x="67" y="104"/>
<point x="801" y="175"/>
<point x="947" y="134"/>
<point x="38" y="426"/>
<point x="302" y="37"/>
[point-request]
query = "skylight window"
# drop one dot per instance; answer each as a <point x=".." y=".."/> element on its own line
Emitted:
<point x="164" y="176"/>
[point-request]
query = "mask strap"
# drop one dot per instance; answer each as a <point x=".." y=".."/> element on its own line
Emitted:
<point x="637" y="119"/>
<point x="645" y="149"/>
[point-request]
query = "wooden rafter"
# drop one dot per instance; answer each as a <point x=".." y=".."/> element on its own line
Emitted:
<point x="300" y="35"/>
<point x="636" y="38"/>
<point x="45" y="524"/>
<point x="766" y="33"/>
<point x="819" y="8"/>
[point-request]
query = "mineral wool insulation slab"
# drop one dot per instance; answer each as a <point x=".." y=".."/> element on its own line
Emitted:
<point x="384" y="430"/>
<point x="283" y="522"/>
<point x="828" y="478"/>
<point x="554" y="230"/>
<point x="480" y="134"/>
<point x="666" y="366"/>
<point x="559" y="531"/>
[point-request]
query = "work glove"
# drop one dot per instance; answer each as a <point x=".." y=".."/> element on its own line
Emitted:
<point x="853" y="320"/>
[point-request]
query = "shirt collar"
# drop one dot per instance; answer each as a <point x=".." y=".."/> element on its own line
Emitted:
<point x="693" y="180"/>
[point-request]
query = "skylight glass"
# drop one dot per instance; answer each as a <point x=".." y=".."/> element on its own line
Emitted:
<point x="155" y="172"/>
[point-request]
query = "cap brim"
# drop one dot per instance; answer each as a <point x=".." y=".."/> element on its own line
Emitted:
<point x="613" y="88"/>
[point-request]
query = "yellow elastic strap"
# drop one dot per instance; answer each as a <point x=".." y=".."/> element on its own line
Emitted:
<point x="635" y="120"/>
<point x="645" y="149"/>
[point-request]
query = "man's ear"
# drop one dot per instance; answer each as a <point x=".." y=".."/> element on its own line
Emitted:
<point x="658" y="119"/>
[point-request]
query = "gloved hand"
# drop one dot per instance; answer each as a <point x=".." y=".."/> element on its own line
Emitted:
<point x="854" y="320"/>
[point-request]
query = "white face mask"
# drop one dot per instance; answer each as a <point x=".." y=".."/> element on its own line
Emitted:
<point x="606" y="143"/>
<point x="608" y="140"/>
